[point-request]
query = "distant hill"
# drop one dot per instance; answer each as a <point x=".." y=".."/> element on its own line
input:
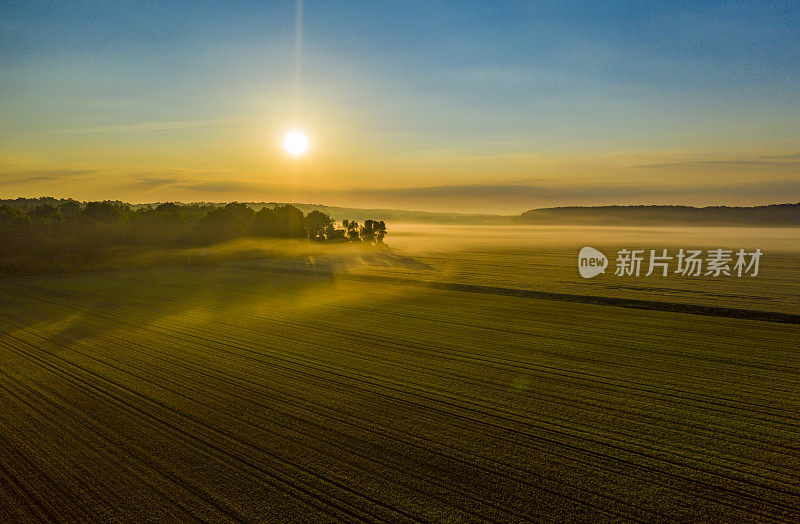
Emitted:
<point x="772" y="215"/>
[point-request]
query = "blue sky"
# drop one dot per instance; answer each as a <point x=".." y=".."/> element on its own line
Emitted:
<point x="160" y="100"/>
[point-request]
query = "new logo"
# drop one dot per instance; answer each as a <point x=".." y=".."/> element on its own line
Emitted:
<point x="591" y="262"/>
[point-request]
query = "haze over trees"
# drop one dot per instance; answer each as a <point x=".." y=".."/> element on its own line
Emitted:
<point x="52" y="231"/>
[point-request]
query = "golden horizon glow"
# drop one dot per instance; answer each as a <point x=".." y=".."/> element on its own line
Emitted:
<point x="296" y="143"/>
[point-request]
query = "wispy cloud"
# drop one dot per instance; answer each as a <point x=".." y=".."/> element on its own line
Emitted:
<point x="795" y="156"/>
<point x="156" y="181"/>
<point x="223" y="186"/>
<point x="761" y="162"/>
<point x="148" y="126"/>
<point x="206" y="185"/>
<point x="18" y="176"/>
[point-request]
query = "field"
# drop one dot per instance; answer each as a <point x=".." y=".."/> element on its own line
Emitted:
<point x="343" y="388"/>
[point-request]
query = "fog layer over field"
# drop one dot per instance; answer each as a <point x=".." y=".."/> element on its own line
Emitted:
<point x="268" y="379"/>
<point x="545" y="258"/>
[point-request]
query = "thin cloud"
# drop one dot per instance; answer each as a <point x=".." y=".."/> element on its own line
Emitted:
<point x="795" y="156"/>
<point x="43" y="175"/>
<point x="224" y="186"/>
<point x="156" y="182"/>
<point x="147" y="126"/>
<point x="762" y="162"/>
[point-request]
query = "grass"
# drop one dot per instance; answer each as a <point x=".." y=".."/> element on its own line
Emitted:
<point x="232" y="394"/>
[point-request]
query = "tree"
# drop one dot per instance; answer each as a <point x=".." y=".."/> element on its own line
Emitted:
<point x="317" y="225"/>
<point x="44" y="212"/>
<point x="11" y="216"/>
<point x="231" y="221"/>
<point x="351" y="229"/>
<point x="281" y="221"/>
<point x="106" y="211"/>
<point x="291" y="223"/>
<point x="380" y="231"/>
<point x="168" y="211"/>
<point x="334" y="234"/>
<point x="70" y="210"/>
<point x="373" y="231"/>
<point x="367" y="232"/>
<point x="265" y="223"/>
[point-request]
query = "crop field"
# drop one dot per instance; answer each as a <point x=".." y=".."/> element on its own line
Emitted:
<point x="248" y="393"/>
<point x="333" y="386"/>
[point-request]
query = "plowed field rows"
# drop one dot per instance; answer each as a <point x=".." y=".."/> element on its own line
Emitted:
<point x="233" y="394"/>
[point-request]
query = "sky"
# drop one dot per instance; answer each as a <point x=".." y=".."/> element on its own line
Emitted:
<point x="480" y="107"/>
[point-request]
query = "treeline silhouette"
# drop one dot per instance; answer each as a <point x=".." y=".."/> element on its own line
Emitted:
<point x="46" y="232"/>
<point x="774" y="215"/>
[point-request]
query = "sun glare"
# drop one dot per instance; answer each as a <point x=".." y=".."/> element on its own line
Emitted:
<point x="295" y="143"/>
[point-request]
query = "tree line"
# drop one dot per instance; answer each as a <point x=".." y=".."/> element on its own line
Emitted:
<point x="53" y="230"/>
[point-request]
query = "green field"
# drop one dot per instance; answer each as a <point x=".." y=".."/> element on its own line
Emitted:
<point x="264" y="390"/>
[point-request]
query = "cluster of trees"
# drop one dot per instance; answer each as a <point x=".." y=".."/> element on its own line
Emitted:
<point x="286" y="221"/>
<point x="208" y="222"/>
<point x="51" y="229"/>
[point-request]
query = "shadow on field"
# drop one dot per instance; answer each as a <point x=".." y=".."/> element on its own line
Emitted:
<point x="185" y="288"/>
<point x="69" y="308"/>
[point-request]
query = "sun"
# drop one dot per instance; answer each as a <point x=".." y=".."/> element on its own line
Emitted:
<point x="295" y="143"/>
